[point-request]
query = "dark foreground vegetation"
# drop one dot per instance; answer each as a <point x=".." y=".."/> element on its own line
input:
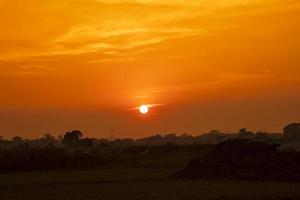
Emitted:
<point x="264" y="151"/>
<point x="211" y="166"/>
<point x="37" y="159"/>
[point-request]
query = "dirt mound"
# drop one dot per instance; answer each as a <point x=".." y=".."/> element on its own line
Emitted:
<point x="245" y="160"/>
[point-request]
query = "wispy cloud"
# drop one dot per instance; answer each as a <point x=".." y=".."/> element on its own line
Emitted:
<point x="118" y="31"/>
<point x="222" y="81"/>
<point x="98" y="38"/>
<point x="64" y="28"/>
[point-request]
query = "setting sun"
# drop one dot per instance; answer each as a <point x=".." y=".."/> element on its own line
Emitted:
<point x="144" y="109"/>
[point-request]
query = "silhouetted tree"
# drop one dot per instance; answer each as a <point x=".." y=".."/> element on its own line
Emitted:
<point x="47" y="140"/>
<point x="61" y="138"/>
<point x="292" y="131"/>
<point x="87" y="142"/>
<point x="49" y="137"/>
<point x="244" y="133"/>
<point x="72" y="138"/>
<point x="17" y="140"/>
<point x="261" y="135"/>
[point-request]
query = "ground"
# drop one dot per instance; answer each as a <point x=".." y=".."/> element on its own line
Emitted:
<point x="134" y="183"/>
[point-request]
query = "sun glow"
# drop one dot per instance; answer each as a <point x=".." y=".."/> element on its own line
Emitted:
<point x="144" y="109"/>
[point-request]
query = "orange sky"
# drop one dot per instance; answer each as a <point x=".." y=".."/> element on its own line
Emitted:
<point x="209" y="64"/>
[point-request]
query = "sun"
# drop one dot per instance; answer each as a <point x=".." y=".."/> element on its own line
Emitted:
<point x="144" y="109"/>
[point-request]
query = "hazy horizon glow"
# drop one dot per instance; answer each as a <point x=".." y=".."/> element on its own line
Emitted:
<point x="84" y="64"/>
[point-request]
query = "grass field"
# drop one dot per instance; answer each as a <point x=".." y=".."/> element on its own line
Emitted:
<point x="134" y="183"/>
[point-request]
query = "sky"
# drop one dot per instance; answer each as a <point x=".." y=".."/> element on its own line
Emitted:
<point x="200" y="64"/>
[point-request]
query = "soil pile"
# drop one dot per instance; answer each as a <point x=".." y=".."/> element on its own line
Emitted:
<point x="245" y="160"/>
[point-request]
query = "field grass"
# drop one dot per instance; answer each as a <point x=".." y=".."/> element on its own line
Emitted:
<point x="134" y="183"/>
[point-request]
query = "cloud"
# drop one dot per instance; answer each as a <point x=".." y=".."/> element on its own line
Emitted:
<point x="63" y="28"/>
<point x="93" y="38"/>
<point x="222" y="81"/>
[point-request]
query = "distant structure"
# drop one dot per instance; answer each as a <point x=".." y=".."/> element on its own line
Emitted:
<point x="292" y="131"/>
